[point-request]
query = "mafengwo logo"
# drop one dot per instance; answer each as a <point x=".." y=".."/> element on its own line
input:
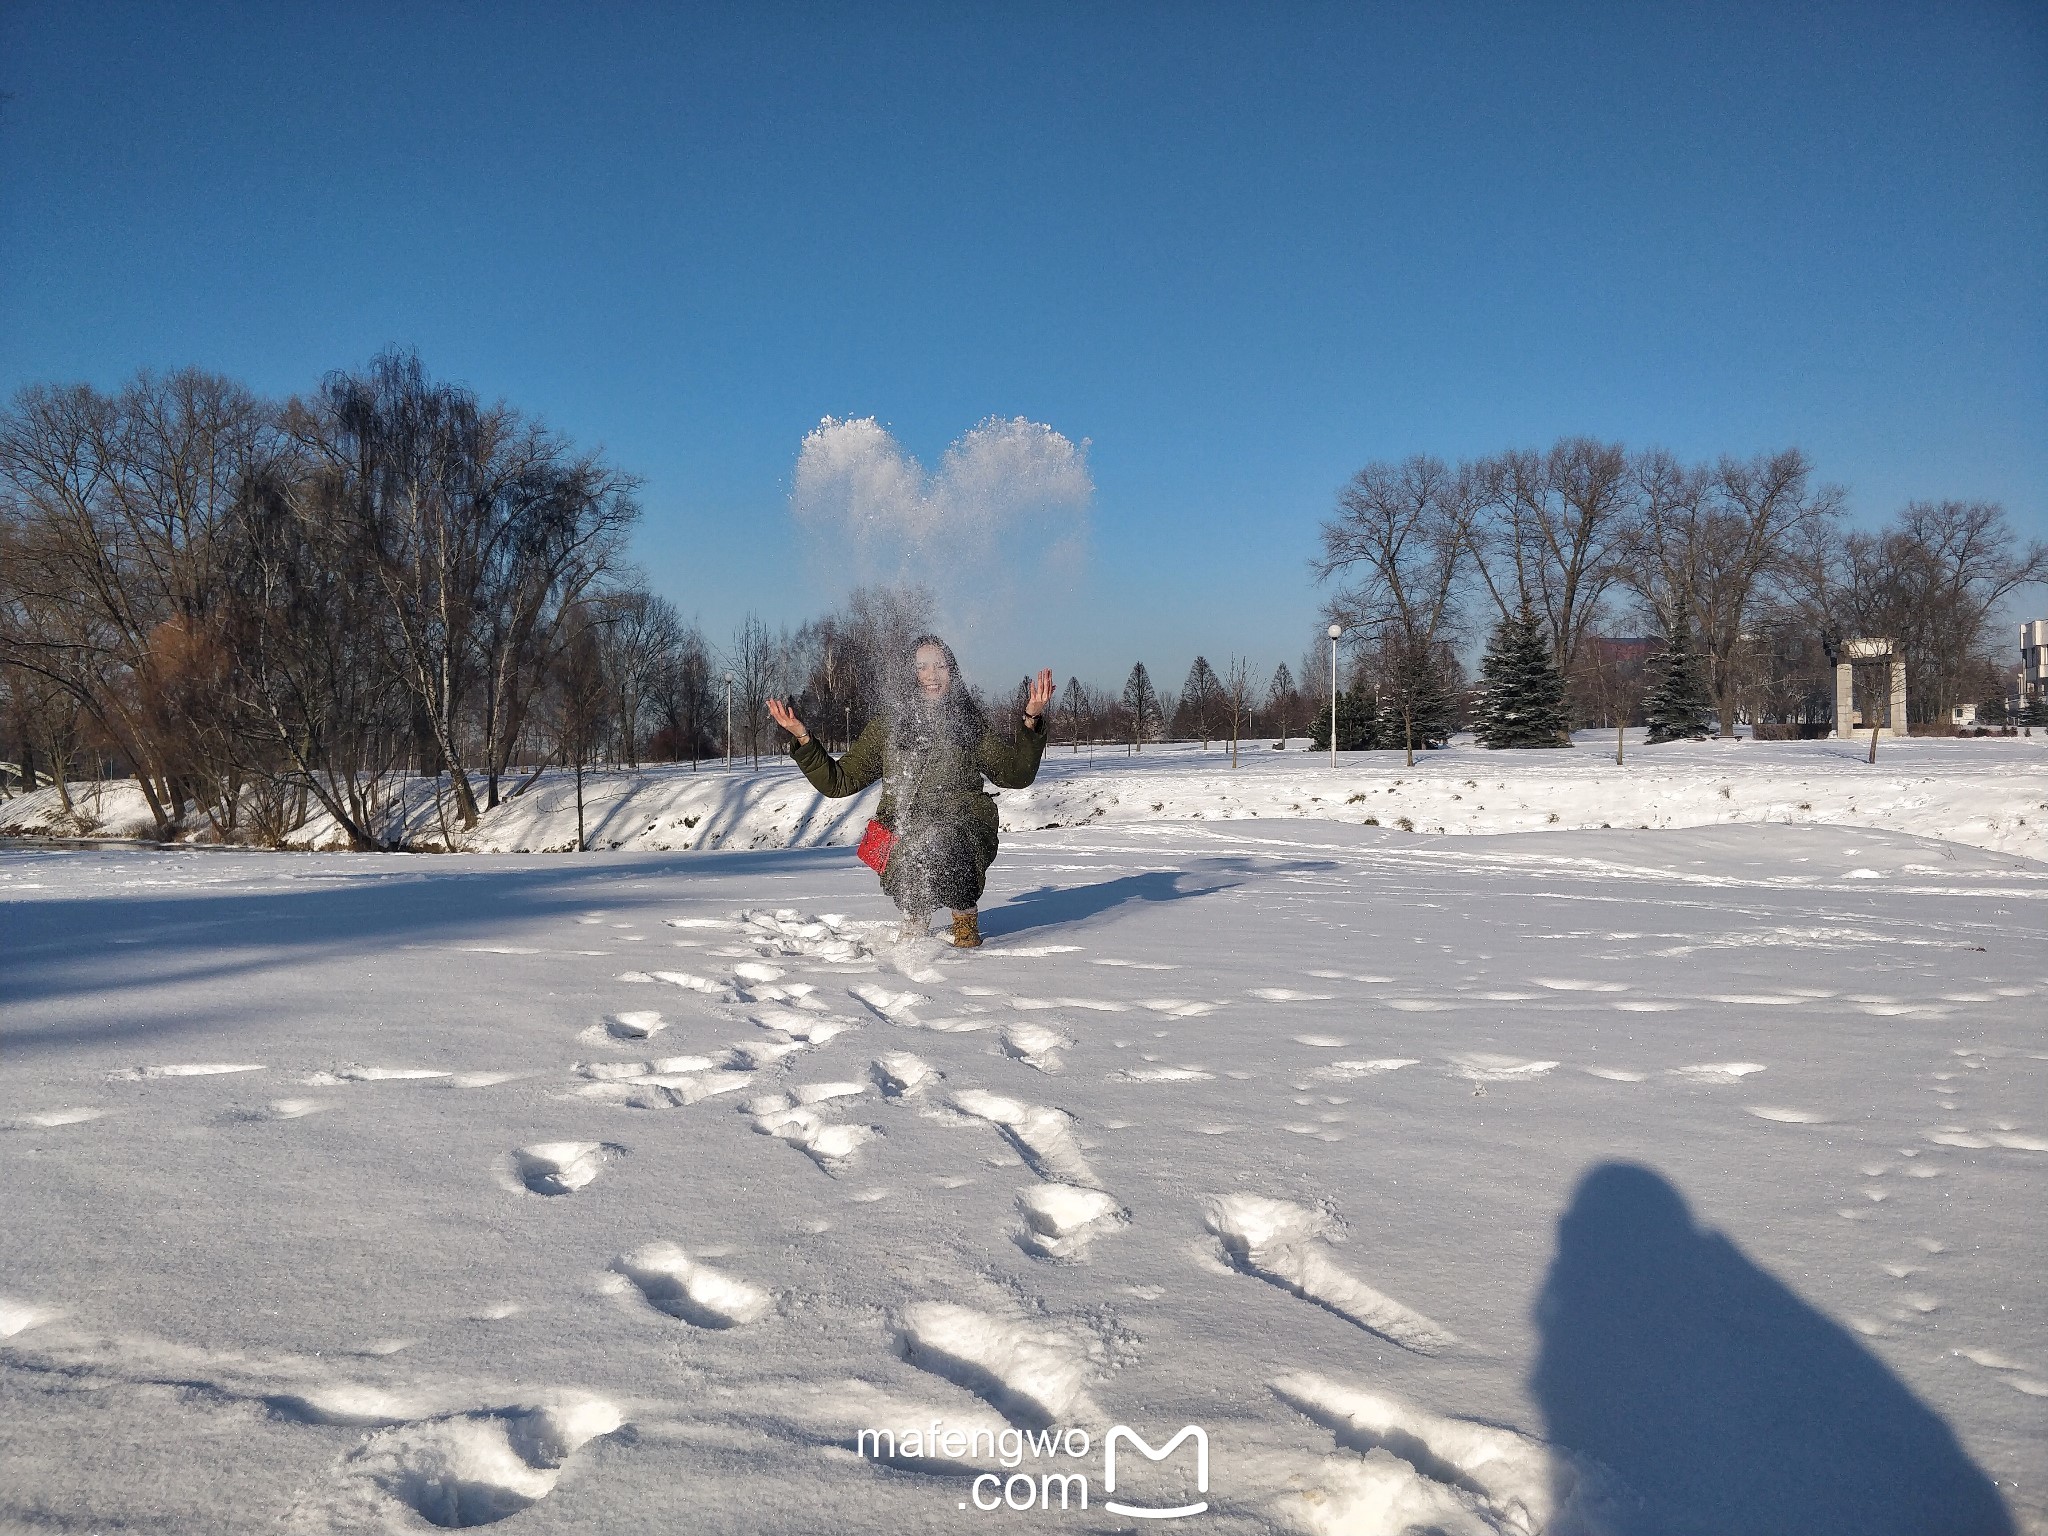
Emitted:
<point x="1056" y="1482"/>
<point x="1120" y="1433"/>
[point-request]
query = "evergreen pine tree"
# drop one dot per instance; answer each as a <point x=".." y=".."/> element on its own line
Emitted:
<point x="1679" y="701"/>
<point x="1421" y="708"/>
<point x="1521" y="694"/>
<point x="1356" y="723"/>
<point x="1281" y="700"/>
<point x="1201" y="698"/>
<point x="1141" y="702"/>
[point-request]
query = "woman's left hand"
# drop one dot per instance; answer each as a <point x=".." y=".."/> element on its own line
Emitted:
<point x="1040" y="696"/>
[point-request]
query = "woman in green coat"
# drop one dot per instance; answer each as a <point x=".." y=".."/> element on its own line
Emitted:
<point x="932" y="749"/>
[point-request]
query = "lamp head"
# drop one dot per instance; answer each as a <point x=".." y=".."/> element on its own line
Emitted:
<point x="1336" y="630"/>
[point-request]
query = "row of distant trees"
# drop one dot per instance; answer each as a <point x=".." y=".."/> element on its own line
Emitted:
<point x="261" y="608"/>
<point x="258" y="608"/>
<point x="1745" y="563"/>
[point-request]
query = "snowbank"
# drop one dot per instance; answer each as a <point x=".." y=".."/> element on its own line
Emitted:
<point x="1987" y="793"/>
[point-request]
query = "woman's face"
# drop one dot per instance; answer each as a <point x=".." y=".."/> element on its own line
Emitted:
<point x="934" y="677"/>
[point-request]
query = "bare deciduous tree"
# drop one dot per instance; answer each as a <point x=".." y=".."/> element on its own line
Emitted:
<point x="1932" y="579"/>
<point x="1401" y="541"/>
<point x="1550" y="536"/>
<point x="1714" y="545"/>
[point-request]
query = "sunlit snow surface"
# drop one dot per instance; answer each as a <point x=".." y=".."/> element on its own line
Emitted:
<point x="1989" y="793"/>
<point x="1569" y="1182"/>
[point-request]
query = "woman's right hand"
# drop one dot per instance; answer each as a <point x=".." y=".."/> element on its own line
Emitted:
<point x="785" y="717"/>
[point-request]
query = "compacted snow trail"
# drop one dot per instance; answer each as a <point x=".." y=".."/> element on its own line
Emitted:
<point x="1576" y="1182"/>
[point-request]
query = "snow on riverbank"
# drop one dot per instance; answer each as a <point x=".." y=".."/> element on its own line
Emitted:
<point x="1987" y="793"/>
<point x="1573" y="1184"/>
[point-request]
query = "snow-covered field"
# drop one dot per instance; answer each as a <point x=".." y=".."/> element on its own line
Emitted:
<point x="1990" y="793"/>
<point x="1572" y="1182"/>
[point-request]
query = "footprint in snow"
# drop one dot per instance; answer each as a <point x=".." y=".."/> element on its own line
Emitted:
<point x="788" y="1118"/>
<point x="832" y="1415"/>
<point x="665" y="1090"/>
<point x="1287" y="1246"/>
<point x="1034" y="1045"/>
<point x="562" y="1167"/>
<point x="689" y="981"/>
<point x="1718" y="1071"/>
<point x="186" y="1069"/>
<point x="1061" y="1220"/>
<point x="1432" y="1471"/>
<point x="471" y="1469"/>
<point x="809" y="1027"/>
<point x="896" y="1007"/>
<point x="899" y="1074"/>
<point x="828" y="937"/>
<point x="1962" y="1136"/>
<point x="1033" y="1373"/>
<point x="1487" y="1067"/>
<point x="50" y="1119"/>
<point x="641" y="1024"/>
<point x="672" y="1282"/>
<point x="1346" y="1071"/>
<point x="279" y="1109"/>
<point x="1043" y="1137"/>
<point x="20" y="1316"/>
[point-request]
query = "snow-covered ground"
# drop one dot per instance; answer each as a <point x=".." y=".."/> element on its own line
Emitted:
<point x="1990" y="793"/>
<point x="1573" y="1182"/>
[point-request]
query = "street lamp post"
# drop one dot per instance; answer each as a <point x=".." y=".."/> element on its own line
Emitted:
<point x="728" y="722"/>
<point x="1335" y="631"/>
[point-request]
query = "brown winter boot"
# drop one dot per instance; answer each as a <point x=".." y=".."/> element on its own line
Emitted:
<point x="966" y="930"/>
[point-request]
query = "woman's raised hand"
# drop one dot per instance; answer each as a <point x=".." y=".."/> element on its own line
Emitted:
<point x="785" y="717"/>
<point x="1040" y="696"/>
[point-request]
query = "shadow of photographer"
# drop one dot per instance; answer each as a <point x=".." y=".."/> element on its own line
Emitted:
<point x="1724" y="1402"/>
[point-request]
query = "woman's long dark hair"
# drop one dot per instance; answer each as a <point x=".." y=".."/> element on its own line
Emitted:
<point x="916" y="723"/>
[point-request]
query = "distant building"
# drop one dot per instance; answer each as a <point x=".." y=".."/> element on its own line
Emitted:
<point x="1616" y="651"/>
<point x="1963" y="715"/>
<point x="2033" y="661"/>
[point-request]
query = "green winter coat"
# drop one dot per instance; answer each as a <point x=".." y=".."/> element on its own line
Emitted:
<point x="948" y="788"/>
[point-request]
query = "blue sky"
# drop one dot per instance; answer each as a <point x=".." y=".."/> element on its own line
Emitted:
<point x="1239" y="249"/>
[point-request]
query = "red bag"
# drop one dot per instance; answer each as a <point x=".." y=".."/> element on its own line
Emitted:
<point x="875" y="846"/>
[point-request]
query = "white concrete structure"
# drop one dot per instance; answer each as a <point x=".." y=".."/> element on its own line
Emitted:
<point x="1847" y="724"/>
<point x="2033" y="660"/>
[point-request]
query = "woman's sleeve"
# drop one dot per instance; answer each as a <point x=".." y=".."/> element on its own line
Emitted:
<point x="1013" y="764"/>
<point x="836" y="778"/>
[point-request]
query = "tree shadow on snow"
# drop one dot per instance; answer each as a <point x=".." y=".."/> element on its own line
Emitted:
<point x="1054" y="906"/>
<point x="122" y="944"/>
<point x="1723" y="1401"/>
